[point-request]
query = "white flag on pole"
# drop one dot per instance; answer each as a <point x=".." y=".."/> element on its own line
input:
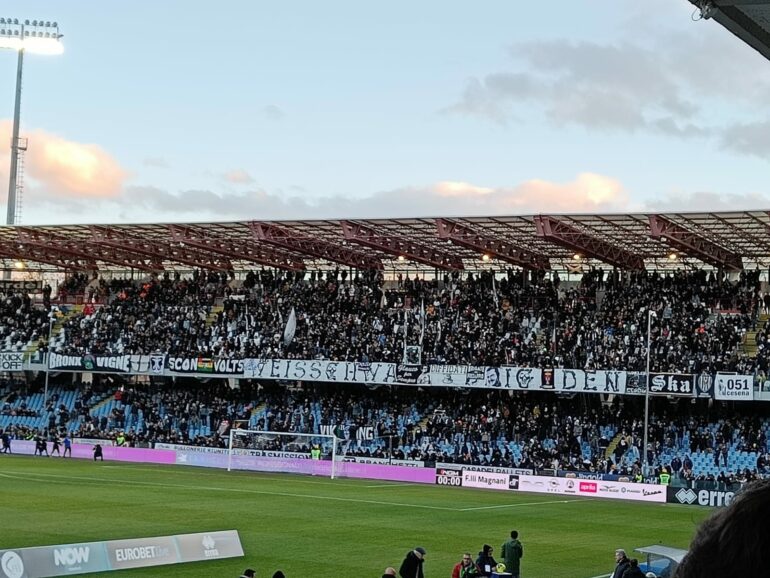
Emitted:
<point x="422" y="321"/>
<point x="291" y="328"/>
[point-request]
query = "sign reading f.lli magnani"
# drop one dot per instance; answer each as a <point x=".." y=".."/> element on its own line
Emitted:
<point x="68" y="559"/>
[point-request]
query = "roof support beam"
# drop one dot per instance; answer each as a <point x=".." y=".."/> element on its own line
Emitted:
<point x="56" y="246"/>
<point x="49" y="257"/>
<point x="693" y="244"/>
<point x="238" y="249"/>
<point x="157" y="249"/>
<point x="583" y="243"/>
<point x="464" y="236"/>
<point x="400" y="246"/>
<point x="315" y="247"/>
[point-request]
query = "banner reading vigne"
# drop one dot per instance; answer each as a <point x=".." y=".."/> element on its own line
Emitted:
<point x="98" y="363"/>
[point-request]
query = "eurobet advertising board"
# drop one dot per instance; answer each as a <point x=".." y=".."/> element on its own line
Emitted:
<point x="593" y="488"/>
<point x="69" y="559"/>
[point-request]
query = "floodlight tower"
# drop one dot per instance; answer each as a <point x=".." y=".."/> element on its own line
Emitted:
<point x="37" y="37"/>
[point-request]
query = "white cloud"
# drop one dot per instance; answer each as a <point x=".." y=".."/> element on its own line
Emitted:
<point x="687" y="85"/>
<point x="588" y="192"/>
<point x="67" y="168"/>
<point x="238" y="177"/>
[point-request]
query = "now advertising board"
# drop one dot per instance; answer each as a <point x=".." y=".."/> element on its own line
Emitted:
<point x="85" y="558"/>
<point x="593" y="488"/>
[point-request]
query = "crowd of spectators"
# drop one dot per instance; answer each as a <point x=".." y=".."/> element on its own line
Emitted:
<point x="20" y="321"/>
<point x="537" y="431"/>
<point x="516" y="318"/>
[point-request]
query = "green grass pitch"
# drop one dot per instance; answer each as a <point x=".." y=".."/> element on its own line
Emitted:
<point x="312" y="526"/>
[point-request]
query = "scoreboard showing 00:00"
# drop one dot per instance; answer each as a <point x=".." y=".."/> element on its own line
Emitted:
<point x="449" y="477"/>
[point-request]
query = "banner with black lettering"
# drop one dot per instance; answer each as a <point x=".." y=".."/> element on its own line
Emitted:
<point x="205" y="365"/>
<point x="320" y="370"/>
<point x="90" y="363"/>
<point x="590" y="381"/>
<point x="12" y="361"/>
<point x="412" y="374"/>
<point x="733" y="387"/>
<point x="448" y="375"/>
<point x="519" y="378"/>
<point x="128" y="364"/>
<point x="679" y="384"/>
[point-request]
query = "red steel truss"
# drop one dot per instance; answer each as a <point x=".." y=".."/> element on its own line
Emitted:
<point x="234" y="248"/>
<point x="694" y="244"/>
<point x="400" y="246"/>
<point x="585" y="244"/>
<point x="313" y="246"/>
<point x="464" y="236"/>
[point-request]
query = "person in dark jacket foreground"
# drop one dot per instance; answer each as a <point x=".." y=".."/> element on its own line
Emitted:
<point x="411" y="567"/>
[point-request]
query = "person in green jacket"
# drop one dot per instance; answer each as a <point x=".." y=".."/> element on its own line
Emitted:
<point x="513" y="552"/>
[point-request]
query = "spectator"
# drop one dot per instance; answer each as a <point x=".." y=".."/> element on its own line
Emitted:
<point x="411" y="567"/>
<point x="622" y="563"/>
<point x="465" y="568"/>
<point x="486" y="562"/>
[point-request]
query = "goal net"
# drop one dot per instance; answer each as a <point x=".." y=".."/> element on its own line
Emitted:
<point x="269" y="451"/>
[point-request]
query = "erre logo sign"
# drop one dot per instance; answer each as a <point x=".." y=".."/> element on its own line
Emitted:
<point x="689" y="497"/>
<point x="71" y="556"/>
<point x="686" y="496"/>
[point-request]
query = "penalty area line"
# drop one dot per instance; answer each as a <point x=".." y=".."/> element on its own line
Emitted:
<point x="525" y="504"/>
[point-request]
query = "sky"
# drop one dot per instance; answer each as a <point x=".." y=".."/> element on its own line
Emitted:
<point x="181" y="110"/>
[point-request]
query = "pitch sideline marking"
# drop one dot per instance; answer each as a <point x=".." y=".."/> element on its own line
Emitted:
<point x="525" y="504"/>
<point x="35" y="478"/>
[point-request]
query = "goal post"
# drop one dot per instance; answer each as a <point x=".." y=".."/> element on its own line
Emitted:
<point x="281" y="451"/>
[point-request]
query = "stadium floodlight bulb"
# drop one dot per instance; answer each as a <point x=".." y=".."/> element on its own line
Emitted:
<point x="11" y="43"/>
<point x="15" y="36"/>
<point x="37" y="45"/>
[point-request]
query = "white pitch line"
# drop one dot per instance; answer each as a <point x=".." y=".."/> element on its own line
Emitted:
<point x="35" y="478"/>
<point x="520" y="505"/>
<point x="202" y="472"/>
<point x="393" y="485"/>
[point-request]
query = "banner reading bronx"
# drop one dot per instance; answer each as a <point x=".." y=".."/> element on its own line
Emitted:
<point x="100" y="363"/>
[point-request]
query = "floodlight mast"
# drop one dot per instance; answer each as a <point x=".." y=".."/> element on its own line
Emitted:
<point x="40" y="37"/>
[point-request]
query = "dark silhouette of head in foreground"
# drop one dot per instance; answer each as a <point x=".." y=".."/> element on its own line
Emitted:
<point x="734" y="542"/>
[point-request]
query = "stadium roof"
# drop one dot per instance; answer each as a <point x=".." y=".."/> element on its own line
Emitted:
<point x="728" y="240"/>
<point x="749" y="20"/>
